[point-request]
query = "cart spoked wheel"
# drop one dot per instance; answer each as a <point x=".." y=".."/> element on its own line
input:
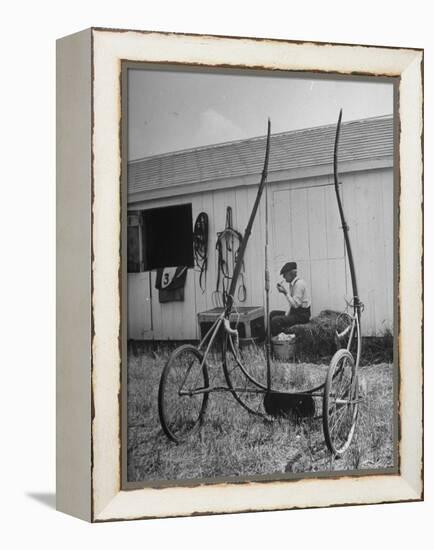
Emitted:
<point x="246" y="376"/>
<point x="340" y="404"/>
<point x="182" y="400"/>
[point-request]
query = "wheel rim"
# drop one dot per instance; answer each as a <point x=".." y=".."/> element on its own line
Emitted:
<point x="180" y="408"/>
<point x="238" y="366"/>
<point x="340" y="403"/>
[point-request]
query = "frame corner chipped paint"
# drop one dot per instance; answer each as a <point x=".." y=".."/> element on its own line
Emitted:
<point x="102" y="53"/>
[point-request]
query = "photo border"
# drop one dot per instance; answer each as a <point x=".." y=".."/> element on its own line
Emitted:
<point x="277" y="476"/>
<point x="109" y="49"/>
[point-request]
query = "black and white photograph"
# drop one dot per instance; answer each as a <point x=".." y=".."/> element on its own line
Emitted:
<point x="259" y="273"/>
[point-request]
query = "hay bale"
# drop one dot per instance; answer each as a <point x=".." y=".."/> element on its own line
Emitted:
<point x="316" y="339"/>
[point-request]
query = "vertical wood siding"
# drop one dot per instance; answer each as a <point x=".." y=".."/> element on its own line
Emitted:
<point x="304" y="227"/>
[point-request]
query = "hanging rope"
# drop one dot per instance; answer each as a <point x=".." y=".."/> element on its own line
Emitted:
<point x="200" y="247"/>
<point x="227" y="246"/>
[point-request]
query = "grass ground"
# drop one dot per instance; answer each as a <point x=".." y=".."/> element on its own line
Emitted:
<point x="232" y="442"/>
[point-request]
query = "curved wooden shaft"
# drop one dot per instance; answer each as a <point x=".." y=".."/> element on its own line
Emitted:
<point x="243" y="246"/>
<point x="345" y="227"/>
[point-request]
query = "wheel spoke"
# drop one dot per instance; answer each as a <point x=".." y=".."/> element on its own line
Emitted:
<point x="185" y="376"/>
<point x="197" y="376"/>
<point x="337" y="421"/>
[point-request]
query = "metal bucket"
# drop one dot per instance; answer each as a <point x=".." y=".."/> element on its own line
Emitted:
<point x="283" y="350"/>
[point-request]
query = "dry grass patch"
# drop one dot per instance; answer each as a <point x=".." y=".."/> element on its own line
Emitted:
<point x="233" y="443"/>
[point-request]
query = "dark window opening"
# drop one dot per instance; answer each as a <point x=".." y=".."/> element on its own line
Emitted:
<point x="168" y="237"/>
<point x="161" y="237"/>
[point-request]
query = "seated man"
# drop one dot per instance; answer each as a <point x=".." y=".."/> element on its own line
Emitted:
<point x="298" y="300"/>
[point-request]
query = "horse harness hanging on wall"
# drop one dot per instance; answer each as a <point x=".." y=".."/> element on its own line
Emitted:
<point x="228" y="244"/>
<point x="200" y="247"/>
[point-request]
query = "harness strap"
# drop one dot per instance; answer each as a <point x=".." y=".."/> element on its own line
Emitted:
<point x="227" y="256"/>
<point x="200" y="247"/>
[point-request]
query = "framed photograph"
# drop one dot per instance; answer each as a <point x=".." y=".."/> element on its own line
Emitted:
<point x="239" y="275"/>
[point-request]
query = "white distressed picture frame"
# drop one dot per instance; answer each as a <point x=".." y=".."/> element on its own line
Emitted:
<point x="89" y="275"/>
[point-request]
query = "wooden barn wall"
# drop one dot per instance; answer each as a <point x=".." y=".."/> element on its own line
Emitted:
<point x="305" y="227"/>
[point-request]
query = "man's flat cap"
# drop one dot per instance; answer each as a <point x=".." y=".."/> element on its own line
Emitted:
<point x="289" y="266"/>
